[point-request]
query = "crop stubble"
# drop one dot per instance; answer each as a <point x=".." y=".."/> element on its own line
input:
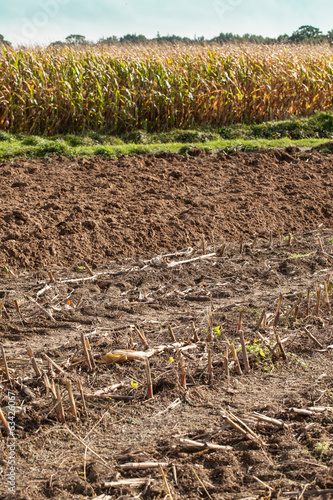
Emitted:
<point x="249" y="196"/>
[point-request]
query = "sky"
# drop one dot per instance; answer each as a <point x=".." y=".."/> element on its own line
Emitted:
<point x="44" y="21"/>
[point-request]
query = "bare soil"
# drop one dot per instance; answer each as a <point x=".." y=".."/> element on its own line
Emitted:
<point x="95" y="246"/>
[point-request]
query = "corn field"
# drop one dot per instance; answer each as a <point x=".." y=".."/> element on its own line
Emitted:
<point x="54" y="91"/>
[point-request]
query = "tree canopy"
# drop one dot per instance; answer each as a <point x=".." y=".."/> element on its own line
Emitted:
<point x="304" y="34"/>
<point x="3" y="41"/>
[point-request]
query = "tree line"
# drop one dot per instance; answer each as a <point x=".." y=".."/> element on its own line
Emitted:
<point x="304" y="34"/>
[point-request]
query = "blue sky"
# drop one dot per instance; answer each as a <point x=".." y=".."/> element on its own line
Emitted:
<point x="44" y="21"/>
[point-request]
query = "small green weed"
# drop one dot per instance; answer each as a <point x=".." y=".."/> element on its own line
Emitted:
<point x="299" y="255"/>
<point x="320" y="448"/>
<point x="298" y="359"/>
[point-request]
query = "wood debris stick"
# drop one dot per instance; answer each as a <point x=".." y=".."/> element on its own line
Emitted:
<point x="250" y="431"/>
<point x="17" y="307"/>
<point x="120" y="355"/>
<point x="51" y="276"/>
<point x="242" y="341"/>
<point x="174" y="472"/>
<point x="172" y="335"/>
<point x="4" y="422"/>
<point x="318" y="293"/>
<point x="204" y="487"/>
<point x="301" y="411"/>
<point x="221" y="250"/>
<point x="181" y="369"/>
<point x="241" y="244"/>
<point x="237" y="424"/>
<point x="59" y="407"/>
<point x="110" y="359"/>
<point x="186" y="251"/>
<point x="142" y="337"/>
<point x="262" y="482"/>
<point x="6" y="366"/>
<point x="134" y="481"/>
<point x="80" y="440"/>
<point x="165" y="481"/>
<point x="189" y="443"/>
<point x="237" y="427"/>
<point x="277" y="313"/>
<point x="195" y="333"/>
<point x="235" y="356"/>
<point x="2" y="307"/>
<point x="24" y="389"/>
<point x="71" y="398"/>
<point x="312" y="337"/>
<point x="49" y="387"/>
<point x="149" y="380"/>
<point x="327" y="255"/>
<point x="54" y="389"/>
<point x="210" y="367"/>
<point x="43" y="290"/>
<point x="297" y="307"/>
<point x="279" y="342"/>
<point x="270" y="420"/>
<point x="88" y="269"/>
<point x="244" y="351"/>
<point x="312" y="410"/>
<point x="82" y="397"/>
<point x="53" y="363"/>
<point x="259" y="323"/>
<point x="320" y="244"/>
<point x="170" y="407"/>
<point x="201" y="257"/>
<point x="142" y="465"/>
<point x="321" y="408"/>
<point x="307" y="302"/>
<point x="9" y="272"/>
<point x="86" y="353"/>
<point x="309" y="493"/>
<point x="112" y="387"/>
<point x="91" y="357"/>
<point x="45" y="311"/>
<point x="34" y="362"/>
<point x="118" y="397"/>
<point x="204" y="243"/>
<point x="327" y="300"/>
<point x="280" y="237"/>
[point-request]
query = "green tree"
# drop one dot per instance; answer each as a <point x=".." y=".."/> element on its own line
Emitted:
<point x="307" y="34"/>
<point x="110" y="40"/>
<point x="329" y="37"/>
<point x="133" y="39"/>
<point x="76" y="40"/>
<point x="3" y="41"/>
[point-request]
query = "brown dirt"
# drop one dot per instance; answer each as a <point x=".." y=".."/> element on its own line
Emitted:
<point x="120" y="216"/>
<point x="59" y="211"/>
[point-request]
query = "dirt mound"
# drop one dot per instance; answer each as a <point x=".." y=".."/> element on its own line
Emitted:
<point x="60" y="211"/>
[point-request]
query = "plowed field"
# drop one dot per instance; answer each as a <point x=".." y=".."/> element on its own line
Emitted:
<point x="166" y="261"/>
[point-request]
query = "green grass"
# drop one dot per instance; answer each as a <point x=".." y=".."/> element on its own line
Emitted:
<point x="45" y="147"/>
<point x="308" y="132"/>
